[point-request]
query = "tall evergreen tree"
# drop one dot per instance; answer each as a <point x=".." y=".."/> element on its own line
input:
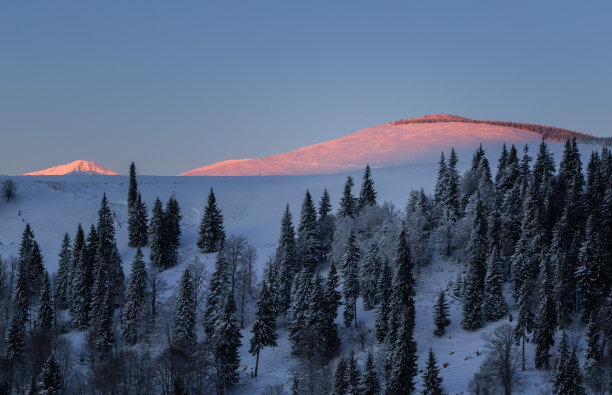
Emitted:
<point x="568" y="377"/>
<point x="218" y="289"/>
<point x="136" y="293"/>
<point x="383" y="310"/>
<point x="105" y="334"/>
<point x="107" y="254"/>
<point x="353" y="375"/>
<point x="591" y="270"/>
<point x="370" y="384"/>
<point x="476" y="257"/>
<point x="172" y="232"/>
<point x="16" y="331"/>
<point x="347" y="203"/>
<point x="340" y="386"/>
<point x="133" y="188"/>
<point x="432" y="382"/>
<point x="297" y="316"/>
<point x="441" y="314"/>
<point x="137" y="224"/>
<point x="546" y="319"/>
<point x="51" y="382"/>
<point x="332" y="302"/>
<point x="156" y="235"/>
<point x="212" y="233"/>
<point x="286" y="260"/>
<point x="264" y="328"/>
<point x="309" y="251"/>
<point x="63" y="279"/>
<point x="367" y="195"/>
<point x="227" y="342"/>
<point x="184" y="317"/>
<point x="441" y="180"/>
<point x="350" y="283"/>
<point x="325" y="224"/>
<point x="46" y="312"/>
<point x="78" y="244"/>
<point x="494" y="304"/>
<point x="370" y="268"/>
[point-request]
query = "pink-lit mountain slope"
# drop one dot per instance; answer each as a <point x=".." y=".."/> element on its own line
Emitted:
<point x="76" y="167"/>
<point x="390" y="144"/>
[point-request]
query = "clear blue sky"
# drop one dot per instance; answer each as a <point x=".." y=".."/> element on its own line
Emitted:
<point x="175" y="85"/>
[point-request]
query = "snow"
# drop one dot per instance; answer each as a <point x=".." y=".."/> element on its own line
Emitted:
<point x="253" y="206"/>
<point x="76" y="167"/>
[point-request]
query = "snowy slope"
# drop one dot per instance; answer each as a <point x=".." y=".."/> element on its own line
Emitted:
<point x="252" y="206"/>
<point x="76" y="167"/>
<point x="380" y="146"/>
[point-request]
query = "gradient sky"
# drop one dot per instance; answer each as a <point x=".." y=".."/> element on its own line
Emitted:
<point x="176" y="85"/>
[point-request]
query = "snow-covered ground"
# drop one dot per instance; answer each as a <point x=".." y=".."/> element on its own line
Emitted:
<point x="252" y="206"/>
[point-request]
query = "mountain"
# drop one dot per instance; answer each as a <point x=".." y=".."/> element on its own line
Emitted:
<point x="416" y="140"/>
<point x="76" y="167"/>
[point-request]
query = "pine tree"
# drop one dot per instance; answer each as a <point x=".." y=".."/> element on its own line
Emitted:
<point x="136" y="293"/>
<point x="212" y="233"/>
<point x="315" y="341"/>
<point x="546" y="321"/>
<point x="264" y="328"/>
<point x="568" y="377"/>
<point x="441" y="180"/>
<point x="107" y="254"/>
<point x="451" y="192"/>
<point x="353" y="375"/>
<point x="30" y="259"/>
<point x="156" y="235"/>
<point x="218" y="289"/>
<point x="350" y="274"/>
<point x="383" y="310"/>
<point x="332" y="302"/>
<point x="77" y="246"/>
<point x="325" y="224"/>
<point x="476" y="256"/>
<point x="432" y="382"/>
<point x="369" y="276"/>
<point x="184" y="316"/>
<point x="137" y="224"/>
<point x="590" y="272"/>
<point x="227" y="342"/>
<point x="501" y="168"/>
<point x="297" y="315"/>
<point x="309" y="251"/>
<point x="340" y="386"/>
<point x="286" y="260"/>
<point x="367" y="195"/>
<point x="46" y="312"/>
<point x="63" y="279"/>
<point x="347" y="203"/>
<point x="441" y="314"/>
<point x="81" y="292"/>
<point x="16" y="331"/>
<point x="494" y="304"/>
<point x="172" y="232"/>
<point x="133" y="188"/>
<point x="51" y="382"/>
<point x="370" y="385"/>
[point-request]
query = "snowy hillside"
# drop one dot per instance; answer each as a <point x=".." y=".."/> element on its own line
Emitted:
<point x="252" y="206"/>
<point x="76" y="167"/>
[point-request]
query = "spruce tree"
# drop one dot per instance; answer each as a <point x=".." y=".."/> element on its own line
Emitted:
<point x="340" y="386"/>
<point x="156" y="235"/>
<point x="184" y="316"/>
<point x="567" y="375"/>
<point x="494" y="304"/>
<point x="476" y="256"/>
<point x="332" y="302"/>
<point x="347" y="203"/>
<point x="212" y="233"/>
<point x="315" y="341"/>
<point x="82" y="291"/>
<point x="136" y="293"/>
<point x="16" y="331"/>
<point x="367" y="195"/>
<point x="441" y="314"/>
<point x="264" y="328"/>
<point x="63" y="279"/>
<point x="441" y="180"/>
<point x="227" y="343"/>
<point x="370" y="385"/>
<point x="432" y="382"/>
<point x="77" y="245"/>
<point x="591" y="270"/>
<point x="383" y="310"/>
<point x="297" y="315"/>
<point x="172" y="232"/>
<point x="51" y="382"/>
<point x="370" y="268"/>
<point x="107" y="253"/>
<point x="137" y="224"/>
<point x="218" y="289"/>
<point x="353" y="375"/>
<point x="105" y="334"/>
<point x="325" y="224"/>
<point x="546" y="319"/>
<point x="133" y="188"/>
<point x="309" y="251"/>
<point x="350" y="274"/>
<point x="46" y="312"/>
<point x="286" y="260"/>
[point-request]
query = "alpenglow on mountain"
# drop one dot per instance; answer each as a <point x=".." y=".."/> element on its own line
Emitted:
<point x="76" y="167"/>
<point x="391" y="144"/>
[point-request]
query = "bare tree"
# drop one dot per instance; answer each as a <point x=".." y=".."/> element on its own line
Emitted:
<point x="157" y="286"/>
<point x="503" y="362"/>
<point x="9" y="188"/>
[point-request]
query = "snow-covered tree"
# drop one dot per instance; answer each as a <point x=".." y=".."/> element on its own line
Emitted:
<point x="340" y="386"/>
<point x="138" y="231"/>
<point x="184" y="317"/>
<point x="546" y="318"/>
<point x="132" y="188"/>
<point x="441" y="315"/>
<point x="432" y="382"/>
<point x="308" y="248"/>
<point x="353" y="375"/>
<point x="350" y="276"/>
<point x="370" y="268"/>
<point x="212" y="233"/>
<point x="51" y="382"/>
<point x="156" y="235"/>
<point x="285" y="261"/>
<point x="347" y="203"/>
<point x="172" y="232"/>
<point x="384" y="296"/>
<point x="264" y="328"/>
<point x="46" y="311"/>
<point x="370" y="384"/>
<point x="367" y="195"/>
<point x="227" y="342"/>
<point x="136" y="293"/>
<point x="63" y="279"/>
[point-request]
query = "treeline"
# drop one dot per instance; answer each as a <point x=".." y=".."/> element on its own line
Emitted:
<point x="549" y="133"/>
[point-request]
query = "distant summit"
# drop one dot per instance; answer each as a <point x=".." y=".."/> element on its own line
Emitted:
<point x="76" y="167"/>
<point x="414" y="140"/>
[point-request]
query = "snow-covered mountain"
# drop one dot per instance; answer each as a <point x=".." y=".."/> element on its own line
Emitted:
<point x="77" y="167"/>
<point x="389" y="144"/>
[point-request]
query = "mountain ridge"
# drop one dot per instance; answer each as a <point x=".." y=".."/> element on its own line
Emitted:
<point x="77" y="167"/>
